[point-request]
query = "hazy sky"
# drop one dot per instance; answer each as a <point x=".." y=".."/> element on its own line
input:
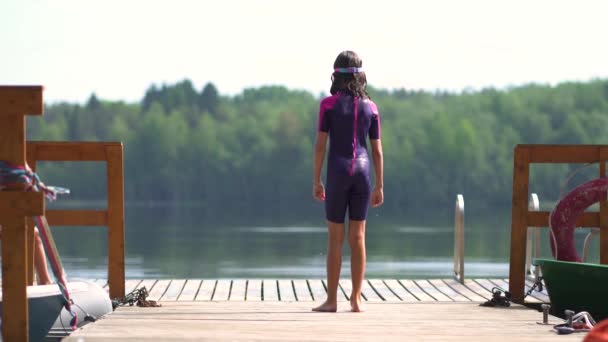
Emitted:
<point x="117" y="48"/>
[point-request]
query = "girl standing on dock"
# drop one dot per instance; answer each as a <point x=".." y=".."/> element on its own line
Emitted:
<point x="348" y="117"/>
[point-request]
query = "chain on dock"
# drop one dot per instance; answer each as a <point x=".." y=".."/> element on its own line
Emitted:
<point x="498" y="299"/>
<point x="135" y="297"/>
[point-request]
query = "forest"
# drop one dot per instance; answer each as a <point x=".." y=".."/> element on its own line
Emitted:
<point x="251" y="153"/>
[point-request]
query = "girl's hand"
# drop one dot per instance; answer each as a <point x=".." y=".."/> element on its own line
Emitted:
<point x="318" y="191"/>
<point x="377" y="197"/>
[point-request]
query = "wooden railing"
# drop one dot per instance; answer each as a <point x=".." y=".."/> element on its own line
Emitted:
<point x="112" y="217"/>
<point x="522" y="217"/>
<point x="15" y="206"/>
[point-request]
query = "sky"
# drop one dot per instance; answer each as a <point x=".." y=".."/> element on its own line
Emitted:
<point x="118" y="48"/>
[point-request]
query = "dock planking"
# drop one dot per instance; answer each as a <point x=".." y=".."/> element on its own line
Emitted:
<point x="301" y="290"/>
<point x="189" y="290"/>
<point x="307" y="290"/>
<point x="294" y="321"/>
<point x="286" y="290"/>
<point x="270" y="290"/>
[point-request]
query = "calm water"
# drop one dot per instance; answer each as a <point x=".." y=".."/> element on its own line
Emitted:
<point x="176" y="242"/>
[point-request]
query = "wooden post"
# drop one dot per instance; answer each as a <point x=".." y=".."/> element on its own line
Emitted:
<point x="116" y="221"/>
<point x="15" y="103"/>
<point x="517" y="265"/>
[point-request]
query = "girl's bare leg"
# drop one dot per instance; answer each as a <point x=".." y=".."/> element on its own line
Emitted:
<point x="334" y="263"/>
<point x="40" y="261"/>
<point x="356" y="240"/>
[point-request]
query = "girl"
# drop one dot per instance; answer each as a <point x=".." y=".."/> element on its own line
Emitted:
<point x="348" y="116"/>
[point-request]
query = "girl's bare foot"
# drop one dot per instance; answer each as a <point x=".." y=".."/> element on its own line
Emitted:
<point x="326" y="307"/>
<point x="355" y="304"/>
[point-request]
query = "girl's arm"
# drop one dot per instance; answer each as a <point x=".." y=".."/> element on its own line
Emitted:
<point x="378" y="192"/>
<point x="319" y="157"/>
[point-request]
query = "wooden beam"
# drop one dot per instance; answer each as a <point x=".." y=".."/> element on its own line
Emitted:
<point x="77" y="217"/>
<point x="21" y="100"/>
<point x="564" y="153"/>
<point x="541" y="219"/>
<point x="68" y="151"/>
<point x="116" y="221"/>
<point x="517" y="264"/>
<point x="14" y="203"/>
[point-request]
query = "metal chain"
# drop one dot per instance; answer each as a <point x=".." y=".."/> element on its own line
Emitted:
<point x="499" y="300"/>
<point x="136" y="297"/>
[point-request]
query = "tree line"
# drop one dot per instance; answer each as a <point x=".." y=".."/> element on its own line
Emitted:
<point x="251" y="153"/>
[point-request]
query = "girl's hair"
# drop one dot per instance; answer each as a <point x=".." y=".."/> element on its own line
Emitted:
<point x="352" y="83"/>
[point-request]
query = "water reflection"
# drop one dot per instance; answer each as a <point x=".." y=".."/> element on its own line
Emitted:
<point x="169" y="243"/>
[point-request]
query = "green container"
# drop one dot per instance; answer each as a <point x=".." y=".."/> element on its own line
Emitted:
<point x="576" y="286"/>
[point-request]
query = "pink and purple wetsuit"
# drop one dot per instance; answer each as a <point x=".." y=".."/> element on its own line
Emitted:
<point x="349" y="121"/>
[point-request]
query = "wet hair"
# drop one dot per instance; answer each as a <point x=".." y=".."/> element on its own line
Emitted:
<point x="351" y="83"/>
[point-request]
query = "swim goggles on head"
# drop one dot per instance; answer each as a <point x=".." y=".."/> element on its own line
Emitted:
<point x="351" y="70"/>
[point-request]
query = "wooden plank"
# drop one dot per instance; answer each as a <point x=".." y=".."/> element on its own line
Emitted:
<point x="317" y="289"/>
<point x="101" y="282"/>
<point x="190" y="290"/>
<point x="286" y="291"/>
<point x="380" y="287"/>
<point x="116" y="220"/>
<point x="368" y="292"/>
<point x="478" y="289"/>
<point x="20" y="204"/>
<point x="488" y="285"/>
<point x="448" y="291"/>
<point x="159" y="288"/>
<point x="519" y="224"/>
<point x="276" y="321"/>
<point x="347" y="288"/>
<point x="222" y="290"/>
<point x="21" y="100"/>
<point x="71" y="150"/>
<point x="416" y="291"/>
<point x="131" y="285"/>
<point x="562" y="153"/>
<point x="540" y="219"/>
<point x="77" y="217"/>
<point x="399" y="290"/>
<point x="174" y="290"/>
<point x="302" y="291"/>
<point x="239" y="290"/>
<point x="205" y="292"/>
<point x="427" y="287"/>
<point x="254" y="290"/>
<point x="462" y="289"/>
<point x="270" y="290"/>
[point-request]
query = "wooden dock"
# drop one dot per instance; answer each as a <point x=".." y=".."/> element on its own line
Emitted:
<point x="271" y="309"/>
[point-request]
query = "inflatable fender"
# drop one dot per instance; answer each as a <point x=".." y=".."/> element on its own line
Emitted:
<point x="563" y="218"/>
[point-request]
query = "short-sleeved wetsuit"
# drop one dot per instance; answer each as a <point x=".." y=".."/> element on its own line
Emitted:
<point x="349" y="121"/>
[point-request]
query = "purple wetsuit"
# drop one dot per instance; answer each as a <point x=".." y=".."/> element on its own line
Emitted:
<point x="349" y="121"/>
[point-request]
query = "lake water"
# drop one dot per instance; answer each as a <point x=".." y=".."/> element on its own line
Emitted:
<point x="176" y="242"/>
